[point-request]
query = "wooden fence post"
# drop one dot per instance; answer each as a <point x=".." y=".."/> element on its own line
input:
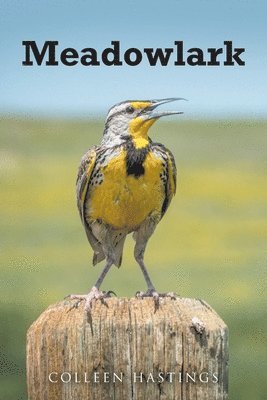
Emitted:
<point x="128" y="352"/>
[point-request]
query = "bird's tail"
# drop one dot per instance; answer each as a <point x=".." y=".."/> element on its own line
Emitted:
<point x="118" y="250"/>
<point x="98" y="256"/>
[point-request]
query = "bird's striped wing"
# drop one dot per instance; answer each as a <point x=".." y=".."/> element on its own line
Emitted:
<point x="170" y="173"/>
<point x="84" y="173"/>
<point x="82" y="187"/>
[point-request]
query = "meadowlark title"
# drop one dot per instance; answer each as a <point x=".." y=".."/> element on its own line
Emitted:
<point x="50" y="54"/>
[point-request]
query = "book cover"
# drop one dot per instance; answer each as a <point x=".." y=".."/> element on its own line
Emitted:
<point x="71" y="71"/>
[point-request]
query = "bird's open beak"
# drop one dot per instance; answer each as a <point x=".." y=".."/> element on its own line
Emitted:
<point x="150" y="113"/>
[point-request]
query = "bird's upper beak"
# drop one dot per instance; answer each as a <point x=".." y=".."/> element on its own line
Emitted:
<point x="150" y="113"/>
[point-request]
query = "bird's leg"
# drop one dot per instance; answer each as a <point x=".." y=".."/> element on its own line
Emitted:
<point x="104" y="273"/>
<point x="151" y="291"/>
<point x="141" y="236"/>
<point x="95" y="293"/>
<point x="150" y="286"/>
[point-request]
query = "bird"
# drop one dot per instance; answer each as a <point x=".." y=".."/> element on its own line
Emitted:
<point x="125" y="185"/>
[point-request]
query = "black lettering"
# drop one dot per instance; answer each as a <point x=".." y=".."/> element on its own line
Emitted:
<point x="230" y="56"/>
<point x="180" y="53"/>
<point x="213" y="56"/>
<point x="67" y="54"/>
<point x="197" y="58"/>
<point x="138" y="56"/>
<point x="158" y="55"/>
<point x="89" y="59"/>
<point x="114" y="52"/>
<point x="39" y="55"/>
<point x="111" y="56"/>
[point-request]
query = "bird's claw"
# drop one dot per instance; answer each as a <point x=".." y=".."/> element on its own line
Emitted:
<point x="94" y="294"/>
<point x="156" y="296"/>
<point x="171" y="295"/>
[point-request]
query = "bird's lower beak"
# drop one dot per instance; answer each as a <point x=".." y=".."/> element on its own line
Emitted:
<point x="150" y="113"/>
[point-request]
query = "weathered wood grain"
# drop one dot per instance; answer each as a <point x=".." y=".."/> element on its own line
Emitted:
<point x="128" y="338"/>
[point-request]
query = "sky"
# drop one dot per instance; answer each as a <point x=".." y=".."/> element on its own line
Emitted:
<point x="90" y="91"/>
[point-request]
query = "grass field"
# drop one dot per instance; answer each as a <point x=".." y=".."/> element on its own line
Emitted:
<point x="211" y="243"/>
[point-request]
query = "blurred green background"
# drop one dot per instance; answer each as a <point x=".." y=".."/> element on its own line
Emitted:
<point x="210" y="245"/>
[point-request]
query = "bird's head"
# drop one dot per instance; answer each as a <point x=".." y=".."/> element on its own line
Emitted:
<point x="132" y="119"/>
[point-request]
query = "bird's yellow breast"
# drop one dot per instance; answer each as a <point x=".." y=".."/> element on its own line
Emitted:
<point x="125" y="201"/>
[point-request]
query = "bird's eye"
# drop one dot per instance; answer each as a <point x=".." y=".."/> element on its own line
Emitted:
<point x="129" y="110"/>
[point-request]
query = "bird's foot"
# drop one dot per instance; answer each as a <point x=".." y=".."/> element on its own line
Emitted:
<point x="94" y="294"/>
<point x="156" y="296"/>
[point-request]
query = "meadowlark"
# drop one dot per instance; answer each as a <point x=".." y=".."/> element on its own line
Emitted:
<point x="125" y="185"/>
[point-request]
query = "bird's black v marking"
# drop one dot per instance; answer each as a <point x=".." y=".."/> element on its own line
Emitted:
<point x="135" y="159"/>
